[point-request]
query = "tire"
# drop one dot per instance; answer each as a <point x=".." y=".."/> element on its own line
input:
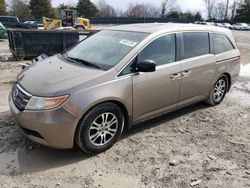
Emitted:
<point x="218" y="92"/>
<point x="100" y="128"/>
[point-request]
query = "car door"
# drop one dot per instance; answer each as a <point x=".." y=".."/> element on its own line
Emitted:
<point x="157" y="91"/>
<point x="197" y="67"/>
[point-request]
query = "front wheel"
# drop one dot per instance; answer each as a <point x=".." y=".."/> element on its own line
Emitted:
<point x="100" y="128"/>
<point x="218" y="92"/>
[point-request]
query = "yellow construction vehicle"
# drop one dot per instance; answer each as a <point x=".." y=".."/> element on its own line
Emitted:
<point x="69" y="18"/>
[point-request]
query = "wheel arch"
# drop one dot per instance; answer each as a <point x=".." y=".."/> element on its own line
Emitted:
<point x="228" y="76"/>
<point x="120" y="104"/>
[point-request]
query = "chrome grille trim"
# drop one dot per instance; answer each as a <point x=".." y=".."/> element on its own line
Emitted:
<point x="20" y="97"/>
<point x="22" y="90"/>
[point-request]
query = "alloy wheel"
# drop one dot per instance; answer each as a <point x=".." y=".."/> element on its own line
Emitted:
<point x="219" y="90"/>
<point x="103" y="129"/>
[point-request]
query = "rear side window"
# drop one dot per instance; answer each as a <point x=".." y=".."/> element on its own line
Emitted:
<point x="221" y="44"/>
<point x="12" y="19"/>
<point x="161" y="50"/>
<point x="3" y="19"/>
<point x="195" y="44"/>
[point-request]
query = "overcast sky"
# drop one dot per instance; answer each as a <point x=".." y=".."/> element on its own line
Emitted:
<point x="191" y="5"/>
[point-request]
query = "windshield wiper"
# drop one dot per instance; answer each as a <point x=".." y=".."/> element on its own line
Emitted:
<point x="84" y="62"/>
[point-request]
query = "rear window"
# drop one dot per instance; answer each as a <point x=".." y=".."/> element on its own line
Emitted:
<point x="195" y="44"/>
<point x="221" y="43"/>
<point x="3" y="19"/>
<point x="12" y="19"/>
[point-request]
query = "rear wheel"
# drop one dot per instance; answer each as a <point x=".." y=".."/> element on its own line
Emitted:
<point x="218" y="92"/>
<point x="100" y="128"/>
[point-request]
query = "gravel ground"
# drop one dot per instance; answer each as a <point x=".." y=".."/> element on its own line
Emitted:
<point x="203" y="145"/>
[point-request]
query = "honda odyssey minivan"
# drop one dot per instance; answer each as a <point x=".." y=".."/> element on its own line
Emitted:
<point x="88" y="95"/>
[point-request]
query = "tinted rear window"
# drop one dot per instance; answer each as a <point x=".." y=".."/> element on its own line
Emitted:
<point x="3" y="19"/>
<point x="12" y="19"/>
<point x="195" y="44"/>
<point x="221" y="43"/>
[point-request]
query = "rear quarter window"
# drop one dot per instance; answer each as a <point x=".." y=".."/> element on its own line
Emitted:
<point x="221" y="44"/>
<point x="195" y="44"/>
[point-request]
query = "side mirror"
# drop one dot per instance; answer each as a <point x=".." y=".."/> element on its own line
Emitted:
<point x="146" y="66"/>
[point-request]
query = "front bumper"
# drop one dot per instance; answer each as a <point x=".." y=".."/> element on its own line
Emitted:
<point x="54" y="128"/>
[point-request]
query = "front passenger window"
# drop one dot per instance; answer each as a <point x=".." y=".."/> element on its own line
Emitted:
<point x="161" y="50"/>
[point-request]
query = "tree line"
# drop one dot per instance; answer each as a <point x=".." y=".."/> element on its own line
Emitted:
<point x="237" y="10"/>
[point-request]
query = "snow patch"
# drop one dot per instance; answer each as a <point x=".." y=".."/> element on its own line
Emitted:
<point x="245" y="70"/>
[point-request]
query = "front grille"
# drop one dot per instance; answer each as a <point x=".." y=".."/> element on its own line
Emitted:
<point x="20" y="97"/>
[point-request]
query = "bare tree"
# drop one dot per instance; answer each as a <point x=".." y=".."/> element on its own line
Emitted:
<point x="219" y="10"/>
<point x="20" y="9"/>
<point x="152" y="11"/>
<point x="141" y="10"/>
<point x="234" y="7"/>
<point x="119" y="12"/>
<point x="105" y="10"/>
<point x="222" y="9"/>
<point x="135" y="10"/>
<point x="210" y="6"/>
<point x="168" y="6"/>
<point x="226" y="11"/>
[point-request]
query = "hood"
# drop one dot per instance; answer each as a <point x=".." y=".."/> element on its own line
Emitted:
<point x="54" y="76"/>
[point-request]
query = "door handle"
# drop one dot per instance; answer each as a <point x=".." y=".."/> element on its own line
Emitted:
<point x="175" y="76"/>
<point x="186" y="73"/>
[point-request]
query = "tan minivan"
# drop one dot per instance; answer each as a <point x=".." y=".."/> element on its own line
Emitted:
<point x="119" y="77"/>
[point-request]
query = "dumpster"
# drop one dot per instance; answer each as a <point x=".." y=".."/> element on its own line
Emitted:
<point x="27" y="44"/>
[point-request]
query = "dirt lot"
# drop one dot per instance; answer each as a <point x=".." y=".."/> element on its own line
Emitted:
<point x="206" y="145"/>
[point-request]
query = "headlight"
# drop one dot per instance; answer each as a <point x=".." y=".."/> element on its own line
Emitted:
<point x="43" y="103"/>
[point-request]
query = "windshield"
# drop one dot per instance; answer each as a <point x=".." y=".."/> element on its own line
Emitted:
<point x="106" y="48"/>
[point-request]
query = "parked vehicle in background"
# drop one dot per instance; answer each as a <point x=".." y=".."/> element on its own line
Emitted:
<point x="2" y="30"/>
<point x="122" y="76"/>
<point x="204" y="23"/>
<point x="227" y="25"/>
<point x="39" y="24"/>
<point x="248" y="27"/>
<point x="13" y="22"/>
<point x="237" y="26"/>
<point x="241" y="26"/>
<point x="219" y="25"/>
<point x="245" y="26"/>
